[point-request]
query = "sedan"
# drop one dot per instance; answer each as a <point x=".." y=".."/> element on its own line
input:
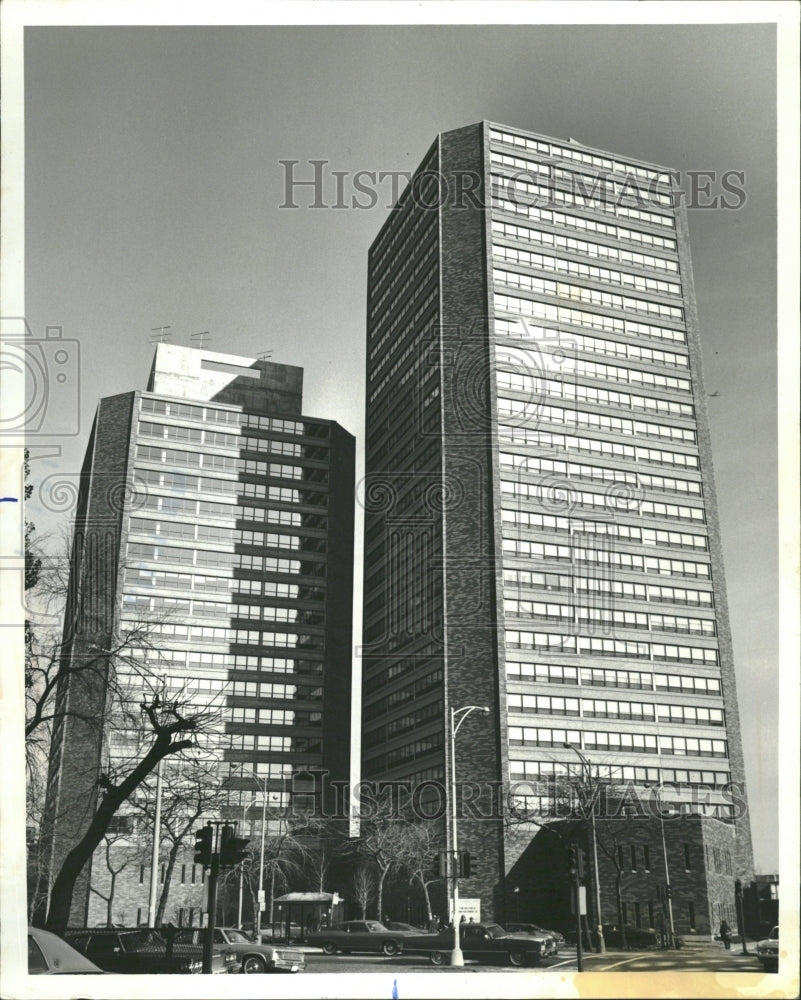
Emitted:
<point x="358" y="935"/>
<point x="252" y="957"/>
<point x="768" y="951"/>
<point x="49" y="955"/>
<point x="557" y="938"/>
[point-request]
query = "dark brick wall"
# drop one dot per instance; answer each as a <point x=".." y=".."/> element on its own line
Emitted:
<point x="471" y="675"/>
<point x="89" y="622"/>
<point x="338" y="668"/>
<point x="745" y="861"/>
<point x="541" y="872"/>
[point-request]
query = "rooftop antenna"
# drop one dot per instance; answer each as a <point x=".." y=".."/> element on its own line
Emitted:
<point x="161" y="336"/>
<point x="265" y="355"/>
<point x="199" y="337"/>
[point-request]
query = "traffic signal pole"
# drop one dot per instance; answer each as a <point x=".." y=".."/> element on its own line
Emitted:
<point x="208" y="940"/>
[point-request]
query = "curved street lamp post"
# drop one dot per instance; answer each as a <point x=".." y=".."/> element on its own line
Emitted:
<point x="586" y="765"/>
<point x="263" y="790"/>
<point x="458" y="715"/>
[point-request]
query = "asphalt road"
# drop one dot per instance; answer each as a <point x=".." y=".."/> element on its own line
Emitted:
<point x="711" y="959"/>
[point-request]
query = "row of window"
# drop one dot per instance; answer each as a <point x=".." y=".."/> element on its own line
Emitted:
<point x="228" y="560"/>
<point x="559" y="151"/>
<point x="625" y="532"/>
<point x="600" y="708"/>
<point x="533" y="412"/>
<point x="539" y="388"/>
<point x="223" y="463"/>
<point x="522" y="192"/>
<point x="555" y="770"/>
<point x="583" y="645"/>
<point x="585" y="294"/>
<point x="166" y="580"/>
<point x="534" y="465"/>
<point x="611" y="190"/>
<point x="420" y="331"/>
<point x="407" y="274"/>
<point x="236" y="418"/>
<point x="229" y="442"/>
<point x="178" y="659"/>
<point x="597" y="447"/>
<point x="628" y="533"/>
<point x="181" y="483"/>
<point x="242" y="637"/>
<point x="581" y="615"/>
<point x="565" y="496"/>
<point x="554" y="673"/>
<point x="682" y="746"/>
<point x="174" y="505"/>
<point x="546" y="214"/>
<point x="559" y="241"/>
<point x="540" y="580"/>
<point x="190" y="532"/>
<point x="550" y="337"/>
<point x="592" y="272"/>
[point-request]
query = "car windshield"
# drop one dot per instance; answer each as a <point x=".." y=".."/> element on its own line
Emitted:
<point x="494" y="930"/>
<point x="141" y="939"/>
<point x="237" y="937"/>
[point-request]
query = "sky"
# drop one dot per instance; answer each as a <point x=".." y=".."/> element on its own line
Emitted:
<point x="153" y="193"/>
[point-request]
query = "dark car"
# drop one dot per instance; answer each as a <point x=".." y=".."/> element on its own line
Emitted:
<point x="358" y="935"/>
<point x="252" y="957"/>
<point x="484" y="942"/>
<point x="398" y="925"/>
<point x="143" y="951"/>
<point x="50" y="955"/>
<point x="557" y="938"/>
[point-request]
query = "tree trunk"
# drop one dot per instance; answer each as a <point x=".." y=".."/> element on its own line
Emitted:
<point x="380" y="900"/>
<point x="58" y="915"/>
<point x="165" y="891"/>
<point x="427" y="898"/>
<point x="619" y="895"/>
<point x="110" y="900"/>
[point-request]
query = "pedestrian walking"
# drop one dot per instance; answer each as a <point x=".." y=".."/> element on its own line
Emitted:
<point x="725" y="935"/>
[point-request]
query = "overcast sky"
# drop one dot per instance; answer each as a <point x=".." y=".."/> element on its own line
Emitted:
<point x="153" y="185"/>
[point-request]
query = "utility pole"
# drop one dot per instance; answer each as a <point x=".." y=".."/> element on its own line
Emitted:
<point x="154" y="855"/>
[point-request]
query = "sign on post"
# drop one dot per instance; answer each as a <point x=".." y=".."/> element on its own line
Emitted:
<point x="582" y="891"/>
<point x="469" y="908"/>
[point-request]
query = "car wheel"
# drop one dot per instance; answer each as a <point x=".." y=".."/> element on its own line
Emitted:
<point x="254" y="963"/>
<point x="390" y="948"/>
<point x="517" y="958"/>
<point x="437" y="957"/>
<point x="329" y="948"/>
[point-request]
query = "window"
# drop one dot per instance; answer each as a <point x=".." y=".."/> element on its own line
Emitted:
<point x="633" y="851"/>
<point x="646" y="863"/>
<point x="621" y="860"/>
<point x="141" y="874"/>
<point x="691" y="915"/>
<point x="624" y="909"/>
<point x="637" y="915"/>
<point x="36" y="960"/>
<point x="651" y="921"/>
<point x="687" y="860"/>
<point x="183" y="874"/>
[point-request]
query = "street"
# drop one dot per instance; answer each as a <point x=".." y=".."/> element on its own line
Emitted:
<point x="707" y="957"/>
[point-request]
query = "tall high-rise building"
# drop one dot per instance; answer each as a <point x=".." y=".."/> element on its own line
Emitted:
<point x="541" y="530"/>
<point x="217" y="520"/>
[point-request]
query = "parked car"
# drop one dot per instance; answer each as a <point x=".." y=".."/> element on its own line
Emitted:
<point x="358" y="935"/>
<point x="251" y="956"/>
<point x="50" y="955"/>
<point x="557" y="938"/>
<point x="485" y="942"/>
<point x="398" y="925"/>
<point x="768" y="951"/>
<point x="143" y="950"/>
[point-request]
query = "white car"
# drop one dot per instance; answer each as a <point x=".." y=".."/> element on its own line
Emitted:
<point x="50" y="955"/>
<point x="768" y="951"/>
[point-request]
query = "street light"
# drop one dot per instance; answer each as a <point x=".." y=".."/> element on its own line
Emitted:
<point x="595" y="873"/>
<point x="668" y="889"/>
<point x="460" y="714"/>
<point x="263" y="790"/>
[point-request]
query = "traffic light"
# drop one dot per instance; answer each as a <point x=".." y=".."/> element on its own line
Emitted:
<point x="233" y="850"/>
<point x="572" y="862"/>
<point x="465" y="864"/>
<point x="581" y="862"/>
<point x="669" y="892"/>
<point x="204" y="841"/>
<point x="738" y="888"/>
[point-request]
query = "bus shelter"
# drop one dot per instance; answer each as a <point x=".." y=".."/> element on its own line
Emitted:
<point x="297" y="914"/>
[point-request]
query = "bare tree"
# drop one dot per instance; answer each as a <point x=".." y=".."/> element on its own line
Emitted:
<point x="191" y="789"/>
<point x="382" y="841"/>
<point x="116" y="863"/>
<point x="421" y="844"/>
<point x="363" y="882"/>
<point x="174" y="727"/>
